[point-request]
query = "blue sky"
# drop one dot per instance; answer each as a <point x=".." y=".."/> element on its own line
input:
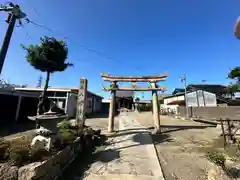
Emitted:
<point x="144" y="36"/>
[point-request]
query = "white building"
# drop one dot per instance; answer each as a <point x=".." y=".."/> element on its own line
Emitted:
<point x="196" y="98"/>
<point x="66" y="98"/>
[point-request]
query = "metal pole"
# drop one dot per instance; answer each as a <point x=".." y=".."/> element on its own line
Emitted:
<point x="6" y="41"/>
<point x="185" y="89"/>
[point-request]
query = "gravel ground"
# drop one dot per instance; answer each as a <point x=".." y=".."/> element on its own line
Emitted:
<point x="100" y="121"/>
<point x="179" y="147"/>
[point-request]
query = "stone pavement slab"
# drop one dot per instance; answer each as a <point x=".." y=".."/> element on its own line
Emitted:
<point x="121" y="177"/>
<point x="131" y="155"/>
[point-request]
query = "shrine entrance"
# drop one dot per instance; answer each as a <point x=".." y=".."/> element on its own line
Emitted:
<point x="113" y="88"/>
<point x="124" y="99"/>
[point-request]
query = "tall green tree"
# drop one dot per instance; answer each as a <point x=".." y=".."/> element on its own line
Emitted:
<point x="49" y="56"/>
<point x="235" y="75"/>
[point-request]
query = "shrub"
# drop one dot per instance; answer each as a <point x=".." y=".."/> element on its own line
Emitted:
<point x="57" y="145"/>
<point x="3" y="148"/>
<point x="36" y="155"/>
<point x="65" y="124"/>
<point x="238" y="143"/>
<point x="17" y="156"/>
<point x="217" y="157"/>
<point x="67" y="135"/>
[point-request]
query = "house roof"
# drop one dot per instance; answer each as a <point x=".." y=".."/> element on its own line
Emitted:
<point x="162" y="96"/>
<point x="213" y="88"/>
<point x="75" y="90"/>
<point x="177" y="102"/>
<point x="178" y="90"/>
<point x="175" y="95"/>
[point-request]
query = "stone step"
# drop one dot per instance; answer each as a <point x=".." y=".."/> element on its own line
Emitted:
<point x="121" y="177"/>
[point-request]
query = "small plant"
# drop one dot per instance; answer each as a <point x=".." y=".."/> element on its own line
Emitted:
<point x="238" y="143"/>
<point x="17" y="156"/>
<point x="65" y="124"/>
<point x="67" y="135"/>
<point x="3" y="148"/>
<point x="217" y="157"/>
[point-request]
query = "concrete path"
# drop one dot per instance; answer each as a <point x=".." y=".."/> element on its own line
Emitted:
<point x="130" y="156"/>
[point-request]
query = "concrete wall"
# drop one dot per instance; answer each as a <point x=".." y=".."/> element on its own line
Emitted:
<point x="232" y="112"/>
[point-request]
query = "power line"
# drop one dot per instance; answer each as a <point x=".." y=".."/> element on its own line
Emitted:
<point x="87" y="48"/>
<point x="39" y="25"/>
<point x="36" y="12"/>
<point x="26" y="32"/>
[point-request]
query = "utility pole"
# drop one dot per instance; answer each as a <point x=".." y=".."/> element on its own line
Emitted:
<point x="39" y="83"/>
<point x="14" y="13"/>
<point x="184" y="79"/>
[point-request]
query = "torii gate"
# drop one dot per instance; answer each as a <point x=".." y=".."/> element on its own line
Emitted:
<point x="134" y="79"/>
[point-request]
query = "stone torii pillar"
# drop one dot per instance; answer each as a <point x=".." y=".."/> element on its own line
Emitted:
<point x="112" y="109"/>
<point x="156" y="118"/>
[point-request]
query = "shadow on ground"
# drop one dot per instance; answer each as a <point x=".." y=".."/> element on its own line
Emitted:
<point x="97" y="115"/>
<point x="134" y="129"/>
<point x="129" y="132"/>
<point x="173" y="128"/>
<point x="85" y="160"/>
<point x="101" y="154"/>
<point x="144" y="138"/>
<point x="101" y="115"/>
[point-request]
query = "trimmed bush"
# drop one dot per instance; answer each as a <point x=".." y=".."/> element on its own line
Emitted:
<point x="67" y="135"/>
<point x="65" y="124"/>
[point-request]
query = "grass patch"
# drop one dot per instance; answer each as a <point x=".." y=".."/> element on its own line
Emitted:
<point x="83" y="161"/>
<point x="217" y="157"/>
<point x="18" y="152"/>
<point x="231" y="151"/>
<point x="216" y="145"/>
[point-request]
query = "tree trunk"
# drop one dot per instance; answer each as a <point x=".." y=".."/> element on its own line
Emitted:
<point x="46" y="85"/>
<point x="42" y="100"/>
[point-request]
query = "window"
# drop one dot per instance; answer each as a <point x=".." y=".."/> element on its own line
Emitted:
<point x="61" y="94"/>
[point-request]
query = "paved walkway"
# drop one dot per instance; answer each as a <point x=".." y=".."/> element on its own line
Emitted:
<point x="130" y="156"/>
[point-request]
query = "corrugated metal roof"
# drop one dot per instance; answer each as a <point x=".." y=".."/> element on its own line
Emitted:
<point x="213" y="88"/>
